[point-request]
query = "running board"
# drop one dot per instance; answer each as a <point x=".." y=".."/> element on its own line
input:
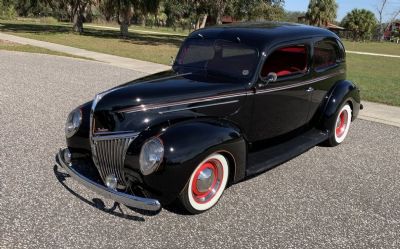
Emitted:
<point x="270" y="157"/>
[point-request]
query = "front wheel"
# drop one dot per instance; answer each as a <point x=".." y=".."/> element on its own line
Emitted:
<point x="342" y="125"/>
<point x="206" y="184"/>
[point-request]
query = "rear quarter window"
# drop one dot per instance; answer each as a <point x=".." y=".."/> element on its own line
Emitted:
<point x="327" y="54"/>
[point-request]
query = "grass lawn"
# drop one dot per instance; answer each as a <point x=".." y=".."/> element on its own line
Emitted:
<point x="143" y="46"/>
<point x="378" y="77"/>
<point x="5" y="45"/>
<point x="373" y="47"/>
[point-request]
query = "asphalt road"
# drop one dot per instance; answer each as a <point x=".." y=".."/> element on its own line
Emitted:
<point x="342" y="197"/>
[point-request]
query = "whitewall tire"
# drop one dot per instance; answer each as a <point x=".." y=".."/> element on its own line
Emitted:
<point x="206" y="184"/>
<point x="341" y="126"/>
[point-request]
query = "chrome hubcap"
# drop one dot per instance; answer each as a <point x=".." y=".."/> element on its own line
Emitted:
<point x="341" y="123"/>
<point x="205" y="180"/>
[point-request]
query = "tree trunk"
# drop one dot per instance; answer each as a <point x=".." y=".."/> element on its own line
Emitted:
<point x="78" y="22"/>
<point x="123" y="28"/>
<point x="380" y="12"/>
<point x="124" y="21"/>
<point x="220" y="11"/>
<point x="219" y="17"/>
<point x="203" y="23"/>
<point x="381" y="35"/>
<point x="143" y="20"/>
<point x="197" y="24"/>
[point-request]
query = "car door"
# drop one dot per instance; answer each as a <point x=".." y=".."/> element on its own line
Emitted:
<point x="328" y="63"/>
<point x="282" y="106"/>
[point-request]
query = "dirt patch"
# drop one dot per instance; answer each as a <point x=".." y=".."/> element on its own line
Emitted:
<point x="4" y="42"/>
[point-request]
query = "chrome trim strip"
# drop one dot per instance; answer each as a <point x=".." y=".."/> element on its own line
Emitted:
<point x="114" y="135"/>
<point x="166" y="78"/>
<point x="199" y="106"/>
<point x="177" y="103"/>
<point x="274" y="89"/>
<point x="109" y="148"/>
<point x="96" y="99"/>
<point x="224" y="96"/>
<point x="123" y="198"/>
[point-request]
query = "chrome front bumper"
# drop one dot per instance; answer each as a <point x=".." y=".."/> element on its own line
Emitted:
<point x="126" y="199"/>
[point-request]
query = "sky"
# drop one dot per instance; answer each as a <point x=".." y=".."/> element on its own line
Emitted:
<point x="346" y="6"/>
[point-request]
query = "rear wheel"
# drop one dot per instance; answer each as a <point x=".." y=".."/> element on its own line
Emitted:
<point x="342" y="125"/>
<point x="206" y="184"/>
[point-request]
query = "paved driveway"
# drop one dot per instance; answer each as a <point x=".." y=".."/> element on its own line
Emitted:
<point x="348" y="196"/>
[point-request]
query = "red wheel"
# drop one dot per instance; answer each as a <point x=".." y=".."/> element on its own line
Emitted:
<point x="206" y="184"/>
<point x="342" y="125"/>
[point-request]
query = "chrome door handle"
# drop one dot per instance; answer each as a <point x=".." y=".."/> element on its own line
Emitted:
<point x="310" y="89"/>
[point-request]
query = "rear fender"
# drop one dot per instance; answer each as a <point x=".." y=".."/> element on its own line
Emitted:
<point x="344" y="91"/>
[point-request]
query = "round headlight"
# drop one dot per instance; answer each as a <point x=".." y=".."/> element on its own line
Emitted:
<point x="74" y="120"/>
<point x="151" y="155"/>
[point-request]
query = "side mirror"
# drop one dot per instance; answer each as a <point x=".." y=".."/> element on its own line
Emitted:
<point x="271" y="77"/>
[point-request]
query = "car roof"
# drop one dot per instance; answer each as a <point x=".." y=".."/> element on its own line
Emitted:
<point x="261" y="34"/>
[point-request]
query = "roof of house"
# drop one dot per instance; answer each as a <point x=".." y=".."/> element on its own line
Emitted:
<point x="333" y="26"/>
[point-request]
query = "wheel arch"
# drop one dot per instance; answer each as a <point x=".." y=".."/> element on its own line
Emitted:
<point x="233" y="167"/>
<point x="187" y="143"/>
<point x="343" y="91"/>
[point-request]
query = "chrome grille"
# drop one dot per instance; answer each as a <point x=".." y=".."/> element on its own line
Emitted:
<point x="109" y="149"/>
<point x="109" y="153"/>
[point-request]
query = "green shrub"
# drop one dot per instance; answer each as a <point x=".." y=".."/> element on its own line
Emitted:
<point x="7" y="12"/>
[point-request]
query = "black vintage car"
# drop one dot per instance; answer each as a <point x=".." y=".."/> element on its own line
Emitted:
<point x="238" y="100"/>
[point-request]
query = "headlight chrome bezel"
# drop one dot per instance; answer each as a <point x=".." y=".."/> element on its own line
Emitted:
<point x="153" y="147"/>
<point x="74" y="121"/>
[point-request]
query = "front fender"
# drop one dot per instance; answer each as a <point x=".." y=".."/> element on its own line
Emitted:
<point x="186" y="144"/>
<point x="342" y="92"/>
<point x="79" y="143"/>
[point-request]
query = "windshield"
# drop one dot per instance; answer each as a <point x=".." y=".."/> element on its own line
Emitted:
<point x="218" y="58"/>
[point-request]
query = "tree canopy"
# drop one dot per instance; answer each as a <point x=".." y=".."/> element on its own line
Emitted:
<point x="320" y="12"/>
<point x="189" y="14"/>
<point x="361" y="22"/>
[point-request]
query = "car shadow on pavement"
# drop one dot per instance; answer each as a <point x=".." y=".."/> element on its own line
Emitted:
<point x="98" y="203"/>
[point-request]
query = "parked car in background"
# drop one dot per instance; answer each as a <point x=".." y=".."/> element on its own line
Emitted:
<point x="238" y="100"/>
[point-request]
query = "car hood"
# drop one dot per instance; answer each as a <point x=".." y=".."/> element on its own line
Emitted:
<point x="160" y="97"/>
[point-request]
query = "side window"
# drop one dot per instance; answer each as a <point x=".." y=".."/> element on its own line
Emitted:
<point x="233" y="59"/>
<point x="286" y="61"/>
<point x="327" y="53"/>
<point x="196" y="53"/>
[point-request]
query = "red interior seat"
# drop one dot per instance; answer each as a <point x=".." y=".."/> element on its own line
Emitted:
<point x="286" y="61"/>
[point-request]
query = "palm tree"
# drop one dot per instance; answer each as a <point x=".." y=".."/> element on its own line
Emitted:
<point x="361" y="22"/>
<point x="320" y="12"/>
